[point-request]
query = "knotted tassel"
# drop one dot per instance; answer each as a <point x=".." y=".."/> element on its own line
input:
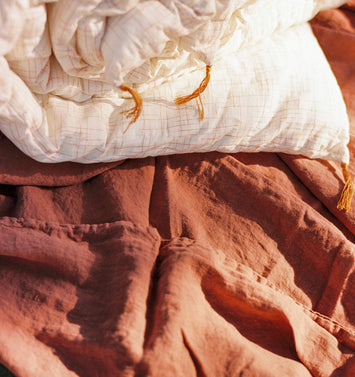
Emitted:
<point x="201" y="111"/>
<point x="136" y="110"/>
<point x="197" y="93"/>
<point x="344" y="202"/>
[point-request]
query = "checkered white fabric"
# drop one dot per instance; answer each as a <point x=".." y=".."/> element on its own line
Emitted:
<point x="271" y="88"/>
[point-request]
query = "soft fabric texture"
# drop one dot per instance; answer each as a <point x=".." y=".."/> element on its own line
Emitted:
<point x="187" y="265"/>
<point x="271" y="88"/>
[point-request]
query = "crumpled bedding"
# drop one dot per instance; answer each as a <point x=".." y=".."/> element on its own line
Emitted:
<point x="186" y="265"/>
<point x="65" y="63"/>
<point x="105" y="41"/>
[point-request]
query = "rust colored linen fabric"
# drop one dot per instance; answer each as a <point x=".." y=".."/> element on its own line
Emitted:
<point x="187" y="265"/>
<point x="350" y="5"/>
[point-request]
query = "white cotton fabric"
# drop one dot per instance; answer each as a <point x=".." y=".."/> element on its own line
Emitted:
<point x="271" y="88"/>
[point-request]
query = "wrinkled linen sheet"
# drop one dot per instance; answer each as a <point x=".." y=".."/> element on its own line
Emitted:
<point x="186" y="265"/>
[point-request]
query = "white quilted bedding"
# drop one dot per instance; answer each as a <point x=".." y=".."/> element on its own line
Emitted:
<point x="62" y="64"/>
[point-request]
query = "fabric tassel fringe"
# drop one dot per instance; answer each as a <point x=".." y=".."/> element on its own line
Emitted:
<point x="136" y="110"/>
<point x="197" y="94"/>
<point x="346" y="196"/>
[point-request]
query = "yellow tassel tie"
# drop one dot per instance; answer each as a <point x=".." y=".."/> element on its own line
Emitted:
<point x="197" y="93"/>
<point x="201" y="111"/>
<point x="344" y="202"/>
<point x="136" y="110"/>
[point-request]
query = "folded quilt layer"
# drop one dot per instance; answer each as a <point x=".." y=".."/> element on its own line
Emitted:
<point x="64" y="63"/>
